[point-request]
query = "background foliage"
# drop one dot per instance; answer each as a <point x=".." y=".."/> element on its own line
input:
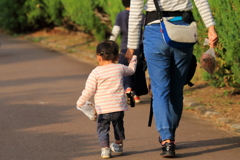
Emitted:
<point x="91" y="16"/>
<point x="97" y="17"/>
<point x="228" y="49"/>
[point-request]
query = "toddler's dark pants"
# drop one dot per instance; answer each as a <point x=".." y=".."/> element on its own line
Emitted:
<point x="103" y="127"/>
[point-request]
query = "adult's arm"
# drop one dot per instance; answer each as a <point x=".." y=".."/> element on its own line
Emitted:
<point x="206" y="14"/>
<point x="135" y="23"/>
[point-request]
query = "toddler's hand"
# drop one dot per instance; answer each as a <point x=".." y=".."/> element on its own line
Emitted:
<point x="78" y="108"/>
<point x="88" y="110"/>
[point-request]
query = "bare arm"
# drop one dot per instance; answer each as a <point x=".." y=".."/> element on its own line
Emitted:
<point x="212" y="36"/>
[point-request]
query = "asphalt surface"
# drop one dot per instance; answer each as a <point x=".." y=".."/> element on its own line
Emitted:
<point x="39" y="88"/>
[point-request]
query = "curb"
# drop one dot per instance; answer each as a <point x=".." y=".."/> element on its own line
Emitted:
<point x="202" y="111"/>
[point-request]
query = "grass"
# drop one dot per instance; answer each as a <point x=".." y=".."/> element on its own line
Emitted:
<point x="37" y="39"/>
<point x="189" y="108"/>
<point x="186" y="92"/>
<point x="217" y="95"/>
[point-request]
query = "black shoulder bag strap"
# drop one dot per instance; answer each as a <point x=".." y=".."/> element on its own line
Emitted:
<point x="159" y="12"/>
<point x="151" y="113"/>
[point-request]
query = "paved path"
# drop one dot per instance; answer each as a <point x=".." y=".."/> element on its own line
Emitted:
<point x="38" y="119"/>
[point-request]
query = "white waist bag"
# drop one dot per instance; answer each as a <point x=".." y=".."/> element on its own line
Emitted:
<point x="179" y="36"/>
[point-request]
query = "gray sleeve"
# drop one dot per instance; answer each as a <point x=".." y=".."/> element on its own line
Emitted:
<point x="115" y="33"/>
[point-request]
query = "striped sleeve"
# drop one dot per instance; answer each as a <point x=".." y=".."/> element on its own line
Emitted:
<point x="90" y="89"/>
<point x="131" y="68"/>
<point x="205" y="12"/>
<point x="134" y="23"/>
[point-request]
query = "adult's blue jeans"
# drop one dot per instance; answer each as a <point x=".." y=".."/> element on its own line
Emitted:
<point x="168" y="68"/>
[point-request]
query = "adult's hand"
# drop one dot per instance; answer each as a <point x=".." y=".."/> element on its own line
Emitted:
<point x="129" y="54"/>
<point x="212" y="36"/>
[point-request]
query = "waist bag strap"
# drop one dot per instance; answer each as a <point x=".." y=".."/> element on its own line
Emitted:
<point x="152" y="16"/>
<point x="187" y="16"/>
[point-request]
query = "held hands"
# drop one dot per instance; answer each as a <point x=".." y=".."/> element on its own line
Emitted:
<point x="129" y="54"/>
<point x="212" y="36"/>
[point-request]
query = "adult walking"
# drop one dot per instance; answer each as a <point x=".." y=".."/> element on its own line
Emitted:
<point x="167" y="66"/>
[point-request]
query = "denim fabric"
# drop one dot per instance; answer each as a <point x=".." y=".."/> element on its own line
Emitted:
<point x="168" y="68"/>
<point x="103" y="127"/>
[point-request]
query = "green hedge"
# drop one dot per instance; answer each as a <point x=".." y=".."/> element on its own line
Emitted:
<point x="91" y="16"/>
<point x="226" y="15"/>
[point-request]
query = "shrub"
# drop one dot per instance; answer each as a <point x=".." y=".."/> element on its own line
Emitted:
<point x="11" y="17"/>
<point x="226" y="14"/>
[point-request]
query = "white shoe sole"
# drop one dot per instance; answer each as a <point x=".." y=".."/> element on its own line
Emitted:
<point x="137" y="101"/>
<point x="117" y="153"/>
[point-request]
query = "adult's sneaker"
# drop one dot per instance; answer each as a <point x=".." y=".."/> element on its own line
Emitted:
<point x="168" y="150"/>
<point x="137" y="99"/>
<point x="117" y="148"/>
<point x="160" y="141"/>
<point x="106" y="153"/>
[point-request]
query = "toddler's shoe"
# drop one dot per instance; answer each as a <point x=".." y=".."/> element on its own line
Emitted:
<point x="106" y="153"/>
<point x="117" y="148"/>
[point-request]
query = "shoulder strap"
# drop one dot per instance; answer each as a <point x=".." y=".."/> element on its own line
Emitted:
<point x="150" y="113"/>
<point x="159" y="12"/>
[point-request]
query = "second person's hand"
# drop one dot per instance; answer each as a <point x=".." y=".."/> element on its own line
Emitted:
<point x="129" y="54"/>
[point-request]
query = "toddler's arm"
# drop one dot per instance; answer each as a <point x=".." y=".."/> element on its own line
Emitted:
<point x="89" y="90"/>
<point x="131" y="68"/>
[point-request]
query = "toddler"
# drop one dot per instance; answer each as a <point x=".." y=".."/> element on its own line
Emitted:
<point x="105" y="82"/>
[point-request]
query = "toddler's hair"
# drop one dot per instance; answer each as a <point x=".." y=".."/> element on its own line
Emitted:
<point x="108" y="50"/>
<point x="126" y="3"/>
